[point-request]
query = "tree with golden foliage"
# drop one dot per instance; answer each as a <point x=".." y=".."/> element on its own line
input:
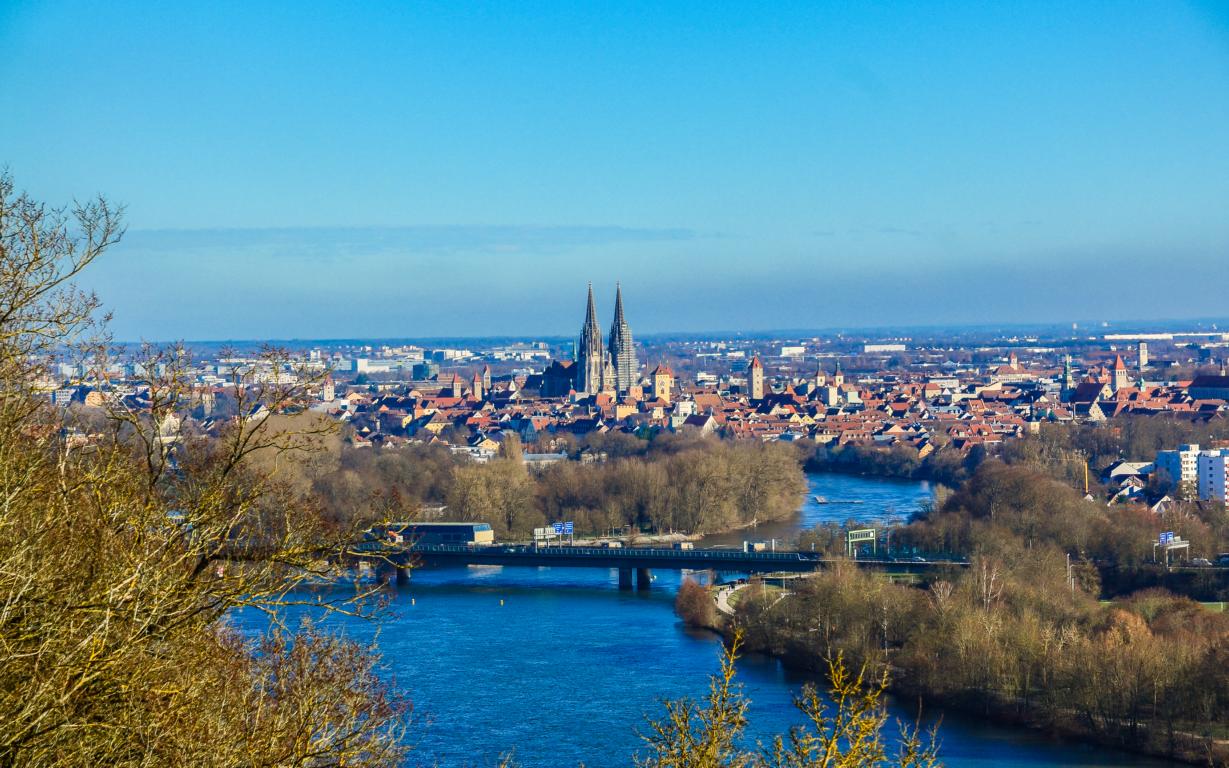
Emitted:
<point x="702" y="734"/>
<point x="121" y="556"/>
<point x="845" y="733"/>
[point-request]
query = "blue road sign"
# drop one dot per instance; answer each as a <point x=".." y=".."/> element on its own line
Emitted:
<point x="567" y="529"/>
<point x="558" y="528"/>
<point x="1167" y="537"/>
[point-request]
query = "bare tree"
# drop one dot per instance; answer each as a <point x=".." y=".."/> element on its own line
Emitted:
<point x="121" y="560"/>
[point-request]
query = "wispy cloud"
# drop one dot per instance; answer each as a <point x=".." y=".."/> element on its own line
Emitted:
<point x="341" y="243"/>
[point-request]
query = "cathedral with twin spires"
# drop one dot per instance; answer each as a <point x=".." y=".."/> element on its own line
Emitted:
<point x="609" y="368"/>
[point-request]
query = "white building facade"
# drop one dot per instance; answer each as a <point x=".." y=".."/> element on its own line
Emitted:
<point x="1181" y="465"/>
<point x="1213" y="471"/>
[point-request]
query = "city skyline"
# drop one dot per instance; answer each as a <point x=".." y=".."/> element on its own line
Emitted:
<point x="1088" y="330"/>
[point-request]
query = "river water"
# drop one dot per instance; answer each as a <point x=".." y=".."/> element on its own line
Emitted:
<point x="841" y="499"/>
<point x="559" y="667"/>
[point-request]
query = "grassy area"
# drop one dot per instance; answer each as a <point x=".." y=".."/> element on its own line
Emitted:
<point x="766" y="590"/>
<point x="1214" y="607"/>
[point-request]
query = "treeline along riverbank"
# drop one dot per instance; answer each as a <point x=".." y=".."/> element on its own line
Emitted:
<point x="1022" y="635"/>
<point x="948" y="467"/>
<point x="667" y="484"/>
<point x="1144" y="674"/>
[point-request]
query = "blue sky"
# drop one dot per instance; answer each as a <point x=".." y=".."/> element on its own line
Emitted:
<point x="417" y="169"/>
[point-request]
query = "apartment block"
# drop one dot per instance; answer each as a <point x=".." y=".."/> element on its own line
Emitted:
<point x="1213" y="470"/>
<point x="1181" y="465"/>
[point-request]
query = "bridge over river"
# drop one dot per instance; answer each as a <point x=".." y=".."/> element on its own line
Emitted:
<point x="638" y="560"/>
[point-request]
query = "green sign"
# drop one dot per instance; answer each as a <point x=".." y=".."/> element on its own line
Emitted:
<point x="853" y="537"/>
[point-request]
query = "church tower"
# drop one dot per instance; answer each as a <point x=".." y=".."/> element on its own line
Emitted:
<point x="663" y="382"/>
<point x="1121" y="376"/>
<point x="622" y="351"/>
<point x="590" y="356"/>
<point x="755" y="378"/>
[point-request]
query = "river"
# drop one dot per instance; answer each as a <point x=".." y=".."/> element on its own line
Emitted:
<point x="844" y="498"/>
<point x="560" y="667"/>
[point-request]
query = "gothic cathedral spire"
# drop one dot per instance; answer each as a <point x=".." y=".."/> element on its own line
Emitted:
<point x="622" y="350"/>
<point x="590" y="356"/>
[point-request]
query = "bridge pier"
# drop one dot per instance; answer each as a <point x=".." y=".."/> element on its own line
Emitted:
<point x="644" y="578"/>
<point x="624" y="578"/>
<point x="403" y="576"/>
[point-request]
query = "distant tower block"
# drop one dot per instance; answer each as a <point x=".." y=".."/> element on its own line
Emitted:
<point x="755" y="378"/>
<point x="1143" y="355"/>
<point x="205" y="397"/>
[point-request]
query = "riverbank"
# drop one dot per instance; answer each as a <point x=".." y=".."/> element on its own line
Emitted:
<point x="878" y="501"/>
<point x="675" y="537"/>
<point x="1171" y="744"/>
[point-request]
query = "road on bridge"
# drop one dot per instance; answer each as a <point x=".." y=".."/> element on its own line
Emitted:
<point x="637" y="558"/>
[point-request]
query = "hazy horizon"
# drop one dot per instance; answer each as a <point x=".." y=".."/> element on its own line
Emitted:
<point x="1083" y="330"/>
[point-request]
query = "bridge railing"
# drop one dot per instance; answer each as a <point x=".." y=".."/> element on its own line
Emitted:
<point x="617" y="552"/>
<point x="638" y="554"/>
<point x="646" y="553"/>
